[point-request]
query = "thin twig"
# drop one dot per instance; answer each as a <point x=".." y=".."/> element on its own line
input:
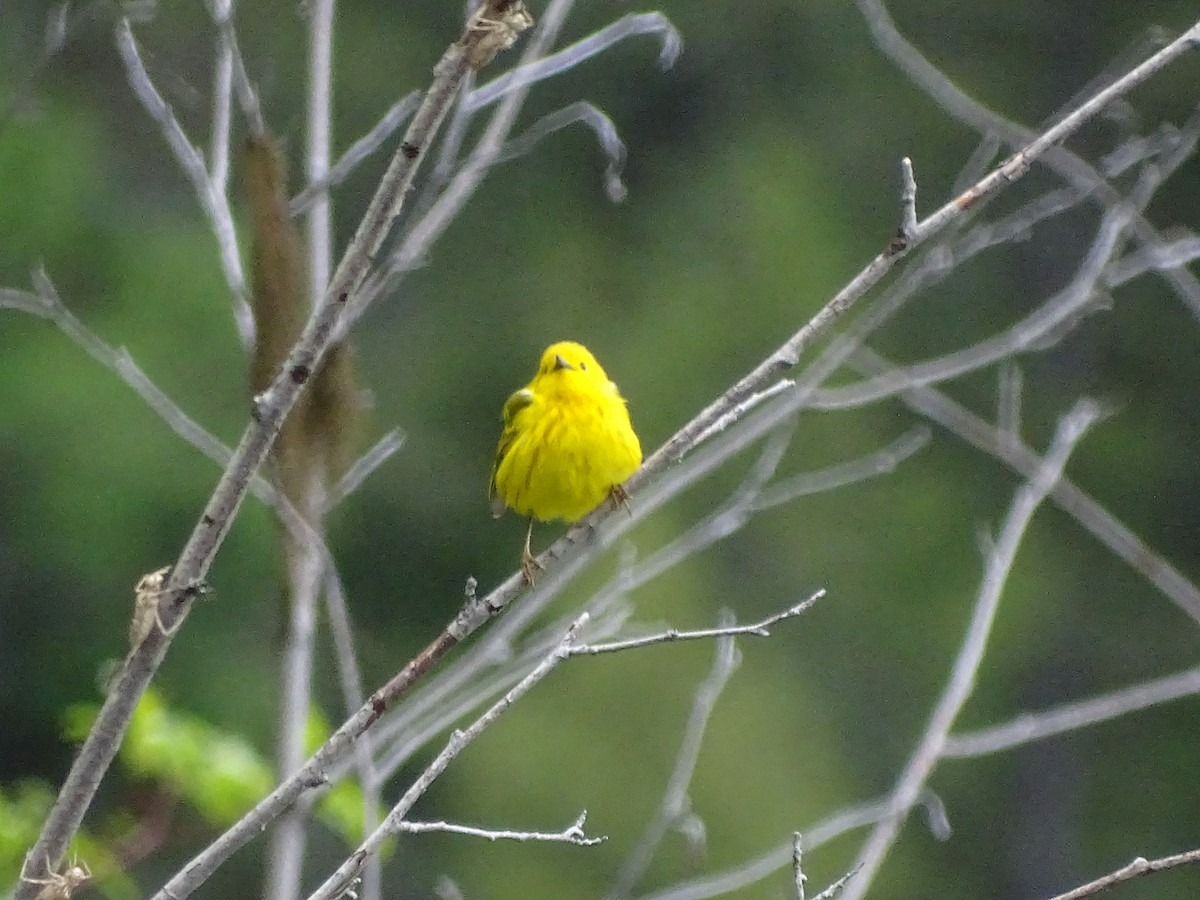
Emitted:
<point x="335" y="885"/>
<point x="836" y="888"/>
<point x="318" y="143"/>
<point x="1067" y="496"/>
<point x="222" y="16"/>
<point x="734" y="415"/>
<point x="961" y="682"/>
<point x="305" y="577"/>
<point x="853" y="471"/>
<point x="47" y="304"/>
<point x="1008" y="401"/>
<point x="908" y="200"/>
<point x="673" y="805"/>
<point x="213" y="200"/>
<point x="798" y="875"/>
<point x="222" y="118"/>
<point x="672" y="635"/>
<point x="578" y="112"/>
<point x="1030" y="331"/>
<point x="424" y="232"/>
<point x="364" y="147"/>
<point x="572" y="834"/>
<point x="529" y="73"/>
<point x="1029" y="727"/>
<point x="763" y="866"/>
<point x="285" y="854"/>
<point x="364" y="466"/>
<point x="350" y="679"/>
<point x="946" y="93"/>
<point x="1135" y="869"/>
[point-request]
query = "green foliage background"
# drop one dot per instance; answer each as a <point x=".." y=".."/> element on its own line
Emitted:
<point x="761" y="175"/>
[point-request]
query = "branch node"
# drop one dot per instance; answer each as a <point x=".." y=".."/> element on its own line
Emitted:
<point x="908" y="210"/>
<point x="495" y="26"/>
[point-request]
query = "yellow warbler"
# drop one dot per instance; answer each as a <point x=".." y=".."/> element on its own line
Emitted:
<point x="567" y="443"/>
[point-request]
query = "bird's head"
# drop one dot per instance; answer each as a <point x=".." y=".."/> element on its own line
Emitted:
<point x="569" y="360"/>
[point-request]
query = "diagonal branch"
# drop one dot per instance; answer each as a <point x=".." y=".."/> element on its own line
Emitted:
<point x="571" y="546"/>
<point x="911" y="782"/>
<point x="958" y="104"/>
<point x="673" y="805"/>
<point x="271" y="407"/>
<point x="1140" y="866"/>
<point x="1030" y="727"/>
<point x="345" y="875"/>
<point x="209" y="191"/>
<point x="1067" y="496"/>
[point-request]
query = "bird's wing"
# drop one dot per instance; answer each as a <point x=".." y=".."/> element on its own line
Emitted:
<point x="517" y="402"/>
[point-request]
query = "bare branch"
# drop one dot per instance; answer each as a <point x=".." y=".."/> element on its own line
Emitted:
<point x="780" y="856"/>
<point x="673" y="806"/>
<point x="25" y="301"/>
<point x="305" y="576"/>
<point x="335" y="885"/>
<point x="1066" y="495"/>
<point x="908" y="200"/>
<point x="881" y="462"/>
<point x="1060" y="310"/>
<point x="1008" y="400"/>
<point x="943" y="91"/>
<point x="285" y="854"/>
<point x="448" y="154"/>
<point x="958" y="688"/>
<point x="364" y="147"/>
<point x="350" y="678"/>
<point x="1135" y="869"/>
<point x="758" y="629"/>
<point x="271" y="407"/>
<point x="836" y="888"/>
<point x="798" y="864"/>
<point x="573" y="834"/>
<point x="222" y="118"/>
<point x="1030" y="727"/>
<point x="529" y="73"/>
<point x="319" y="142"/>
<point x="1154" y="258"/>
<point x="212" y="199"/>
<point x="365" y="466"/>
<point x="221" y="12"/>
<point x="572" y="113"/>
<point x="424" y="232"/>
<point x="734" y="415"/>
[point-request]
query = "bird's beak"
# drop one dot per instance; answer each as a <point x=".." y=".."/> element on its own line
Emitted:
<point x="560" y="363"/>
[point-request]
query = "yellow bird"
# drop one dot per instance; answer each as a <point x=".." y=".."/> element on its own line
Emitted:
<point x="567" y="444"/>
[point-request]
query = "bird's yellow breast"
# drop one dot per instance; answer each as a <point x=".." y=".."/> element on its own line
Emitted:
<point x="567" y="440"/>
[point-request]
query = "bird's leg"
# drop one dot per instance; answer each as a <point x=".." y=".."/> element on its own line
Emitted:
<point x="620" y="498"/>
<point x="529" y="564"/>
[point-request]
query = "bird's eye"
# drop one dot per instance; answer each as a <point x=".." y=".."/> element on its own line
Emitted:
<point x="583" y="367"/>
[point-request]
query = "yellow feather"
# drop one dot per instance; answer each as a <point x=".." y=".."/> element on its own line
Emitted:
<point x="567" y="441"/>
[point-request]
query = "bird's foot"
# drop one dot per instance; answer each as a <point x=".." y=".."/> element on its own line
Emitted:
<point x="620" y="498"/>
<point x="530" y="567"/>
